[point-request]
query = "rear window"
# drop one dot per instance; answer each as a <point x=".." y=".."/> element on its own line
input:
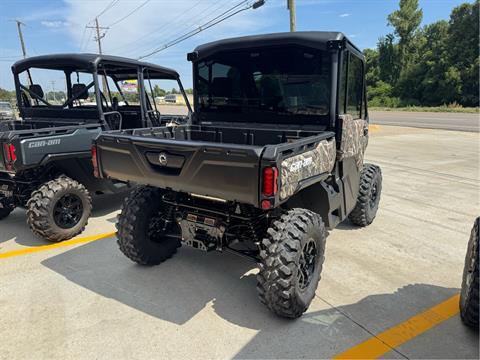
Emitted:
<point x="275" y="81"/>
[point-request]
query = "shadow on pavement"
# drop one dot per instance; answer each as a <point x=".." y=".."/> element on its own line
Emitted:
<point x="15" y="225"/>
<point x="180" y="288"/>
<point x="105" y="204"/>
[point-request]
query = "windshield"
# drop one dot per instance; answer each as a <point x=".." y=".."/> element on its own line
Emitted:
<point x="287" y="80"/>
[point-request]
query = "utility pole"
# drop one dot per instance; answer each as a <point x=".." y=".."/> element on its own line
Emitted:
<point x="20" y="35"/>
<point x="53" y="91"/>
<point x="98" y="39"/>
<point x="24" y="51"/>
<point x="293" y="15"/>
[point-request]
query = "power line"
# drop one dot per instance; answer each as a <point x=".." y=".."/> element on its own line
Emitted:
<point x="84" y="46"/>
<point x="11" y="57"/>
<point x="109" y="6"/>
<point x="83" y="38"/>
<point x="197" y="19"/>
<point x="154" y="31"/>
<point x="130" y="13"/>
<point x="218" y="19"/>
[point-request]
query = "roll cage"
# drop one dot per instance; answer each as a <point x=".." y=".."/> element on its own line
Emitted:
<point x="101" y="67"/>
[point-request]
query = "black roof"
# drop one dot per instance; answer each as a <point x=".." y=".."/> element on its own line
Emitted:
<point x="312" y="39"/>
<point x="120" y="66"/>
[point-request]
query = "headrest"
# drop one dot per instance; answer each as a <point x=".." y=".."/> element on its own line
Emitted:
<point x="36" y="89"/>
<point x="79" y="91"/>
<point x="222" y="86"/>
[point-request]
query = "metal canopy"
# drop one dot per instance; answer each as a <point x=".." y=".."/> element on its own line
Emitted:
<point x="312" y="39"/>
<point x="114" y="65"/>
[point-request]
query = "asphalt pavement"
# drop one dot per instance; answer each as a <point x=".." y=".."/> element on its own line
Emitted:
<point x="429" y="120"/>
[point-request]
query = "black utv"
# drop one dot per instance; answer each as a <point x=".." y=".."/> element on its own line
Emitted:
<point x="45" y="161"/>
<point x="272" y="158"/>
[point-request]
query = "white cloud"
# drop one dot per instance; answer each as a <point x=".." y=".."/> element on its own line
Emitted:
<point x="43" y="14"/>
<point x="156" y="23"/>
<point x="159" y="22"/>
<point x="344" y="15"/>
<point x="54" y="24"/>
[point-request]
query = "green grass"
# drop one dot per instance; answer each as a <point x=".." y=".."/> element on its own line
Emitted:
<point x="450" y="109"/>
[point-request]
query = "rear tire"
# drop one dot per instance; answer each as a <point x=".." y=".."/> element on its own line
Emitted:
<point x="368" y="197"/>
<point x="59" y="209"/>
<point x="469" y="294"/>
<point x="138" y="234"/>
<point x="292" y="260"/>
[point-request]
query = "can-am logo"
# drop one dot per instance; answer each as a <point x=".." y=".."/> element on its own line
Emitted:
<point x="163" y="159"/>
<point x="297" y="165"/>
<point x="42" y="143"/>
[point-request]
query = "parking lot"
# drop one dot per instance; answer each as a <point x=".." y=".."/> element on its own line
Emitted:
<point x="388" y="290"/>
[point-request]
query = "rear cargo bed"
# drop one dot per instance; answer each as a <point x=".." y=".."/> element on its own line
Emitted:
<point x="221" y="162"/>
<point x="36" y="143"/>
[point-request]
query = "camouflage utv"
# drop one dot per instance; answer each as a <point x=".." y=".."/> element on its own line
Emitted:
<point x="269" y="160"/>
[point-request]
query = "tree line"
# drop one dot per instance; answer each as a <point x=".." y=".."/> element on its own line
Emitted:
<point x="437" y="64"/>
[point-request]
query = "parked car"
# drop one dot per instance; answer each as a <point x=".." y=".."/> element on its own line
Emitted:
<point x="272" y="159"/>
<point x="6" y="111"/>
<point x="45" y="162"/>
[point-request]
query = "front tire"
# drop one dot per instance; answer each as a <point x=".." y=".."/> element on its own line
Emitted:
<point x="292" y="261"/>
<point x="141" y="231"/>
<point x="368" y="197"/>
<point x="469" y="294"/>
<point x="59" y="209"/>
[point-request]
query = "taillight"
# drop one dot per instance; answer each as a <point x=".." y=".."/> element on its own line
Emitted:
<point x="270" y="176"/>
<point x="10" y="156"/>
<point x="94" y="160"/>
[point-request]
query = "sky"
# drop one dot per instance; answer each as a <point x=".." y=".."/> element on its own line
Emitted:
<point x="58" y="26"/>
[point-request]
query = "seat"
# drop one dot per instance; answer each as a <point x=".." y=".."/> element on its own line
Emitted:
<point x="37" y="90"/>
<point x="79" y="91"/>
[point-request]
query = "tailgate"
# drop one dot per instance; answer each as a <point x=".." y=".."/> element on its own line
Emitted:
<point x="225" y="171"/>
<point x="37" y="147"/>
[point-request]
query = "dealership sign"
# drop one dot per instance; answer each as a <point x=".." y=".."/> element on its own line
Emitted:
<point x="129" y="86"/>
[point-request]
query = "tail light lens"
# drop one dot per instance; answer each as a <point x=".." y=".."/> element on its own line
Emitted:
<point x="270" y="176"/>
<point x="10" y="156"/>
<point x="94" y="160"/>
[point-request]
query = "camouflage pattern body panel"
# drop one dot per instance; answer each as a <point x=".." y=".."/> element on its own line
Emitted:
<point x="354" y="141"/>
<point x="311" y="163"/>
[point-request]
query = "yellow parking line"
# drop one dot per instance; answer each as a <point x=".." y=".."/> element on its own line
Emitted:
<point x="399" y="334"/>
<point x="75" y="241"/>
<point x="373" y="127"/>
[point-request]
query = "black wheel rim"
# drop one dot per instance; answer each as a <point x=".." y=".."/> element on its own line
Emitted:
<point x="306" y="266"/>
<point x="373" y="195"/>
<point x="68" y="211"/>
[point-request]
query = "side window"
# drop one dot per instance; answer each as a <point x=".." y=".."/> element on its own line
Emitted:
<point x="218" y="84"/>
<point x="355" y="87"/>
